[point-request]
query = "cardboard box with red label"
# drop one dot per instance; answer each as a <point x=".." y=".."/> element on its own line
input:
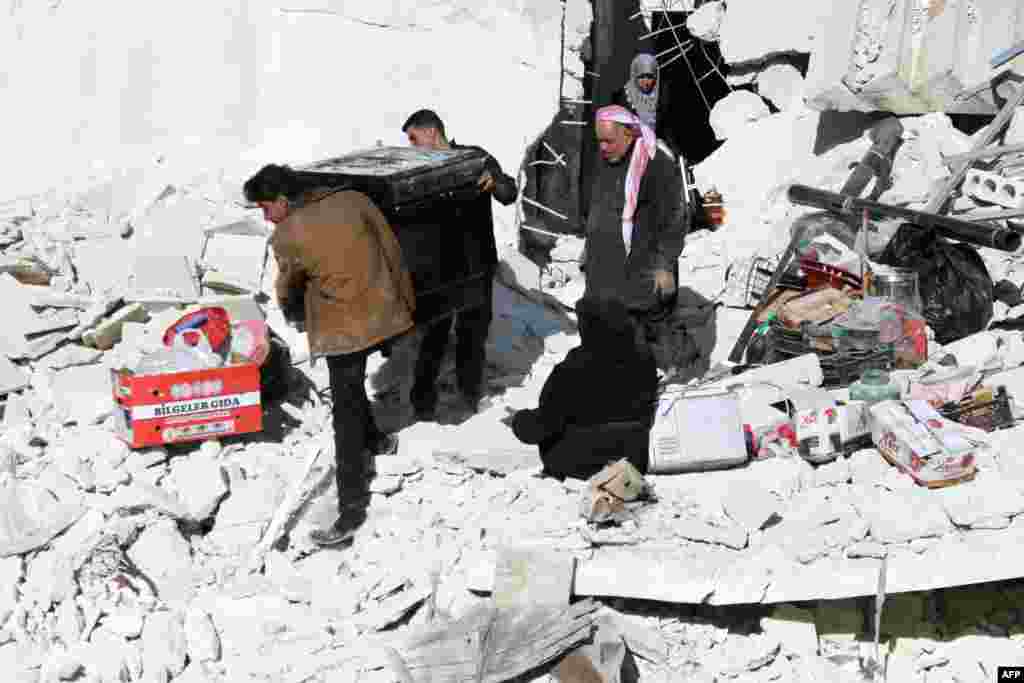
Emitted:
<point x="160" y="409"/>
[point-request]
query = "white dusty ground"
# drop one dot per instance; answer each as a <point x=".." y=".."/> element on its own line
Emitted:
<point x="134" y="566"/>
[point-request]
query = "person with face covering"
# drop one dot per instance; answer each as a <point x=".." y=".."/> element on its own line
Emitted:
<point x="635" y="231"/>
<point x="641" y="93"/>
<point x="597" y="405"/>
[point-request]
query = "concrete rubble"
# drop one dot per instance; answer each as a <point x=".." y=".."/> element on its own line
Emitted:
<point x="133" y="565"/>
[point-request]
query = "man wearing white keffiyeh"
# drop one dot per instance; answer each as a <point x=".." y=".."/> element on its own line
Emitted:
<point x="635" y="228"/>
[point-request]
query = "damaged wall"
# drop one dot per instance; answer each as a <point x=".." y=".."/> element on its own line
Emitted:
<point x="238" y="83"/>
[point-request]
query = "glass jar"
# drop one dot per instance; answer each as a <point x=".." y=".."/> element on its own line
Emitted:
<point x="874" y="386"/>
<point x="897" y="286"/>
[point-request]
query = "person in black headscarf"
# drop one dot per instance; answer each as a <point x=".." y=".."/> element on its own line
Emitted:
<point x="597" y="406"/>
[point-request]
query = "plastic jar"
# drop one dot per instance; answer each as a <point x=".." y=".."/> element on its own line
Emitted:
<point x="874" y="386"/>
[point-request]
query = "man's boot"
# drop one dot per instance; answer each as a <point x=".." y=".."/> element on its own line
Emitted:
<point x="344" y="528"/>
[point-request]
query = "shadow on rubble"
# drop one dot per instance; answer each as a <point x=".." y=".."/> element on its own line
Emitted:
<point x="516" y="342"/>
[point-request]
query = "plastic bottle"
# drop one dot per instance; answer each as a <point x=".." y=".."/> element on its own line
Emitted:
<point x="757" y="349"/>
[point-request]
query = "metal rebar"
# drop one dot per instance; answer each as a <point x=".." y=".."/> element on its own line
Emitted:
<point x="544" y="208"/>
<point x="693" y="74"/>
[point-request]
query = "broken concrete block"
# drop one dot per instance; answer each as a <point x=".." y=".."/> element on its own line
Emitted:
<point x="49" y="579"/>
<point x="251" y="501"/>
<point x="19" y="317"/>
<point x="71" y="355"/>
<point x="201" y="636"/>
<point x="782" y="85"/>
<point x="237" y="258"/>
<point x="735" y="112"/>
<point x="528" y="576"/>
<point x="59" y="320"/>
<point x="165" y="557"/>
<point x="741" y="654"/>
<point x="902" y="516"/>
<point x="140" y="496"/>
<point x="164" y="646"/>
<point x="84" y="392"/>
<point x="695" y="530"/>
<point x="12" y="570"/>
<point x="127" y="623"/>
<point x="105" y="263"/>
<point x="868" y="467"/>
<point x="867" y="549"/>
<point x="706" y="21"/>
<point x="979" y="503"/>
<point x="108" y="332"/>
<point x="200" y="484"/>
<point x="12" y="378"/>
<point x="833" y="473"/>
<point x="750" y="505"/>
<point x="794" y="629"/>
<point x="110" y="657"/>
<point x="70" y="622"/>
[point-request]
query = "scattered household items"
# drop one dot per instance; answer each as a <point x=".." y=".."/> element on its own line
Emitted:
<point x="915" y="438"/>
<point x="954" y="283"/>
<point x="419" y="192"/>
<point x="874" y="386"/>
<point x="609" y="492"/>
<point x="747" y="280"/>
<point x="714" y="208"/>
<point x="823" y="428"/>
<point x="203" y="383"/>
<point x="984" y="408"/>
<point x="682" y="413"/>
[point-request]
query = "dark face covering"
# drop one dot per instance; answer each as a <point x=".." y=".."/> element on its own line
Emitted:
<point x="606" y="327"/>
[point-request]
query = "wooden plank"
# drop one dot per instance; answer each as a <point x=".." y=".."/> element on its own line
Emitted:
<point x="986" y="153"/>
<point x="532" y="576"/>
<point x="938" y="201"/>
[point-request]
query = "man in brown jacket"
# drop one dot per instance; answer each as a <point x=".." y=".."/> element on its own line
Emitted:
<point x="341" y="274"/>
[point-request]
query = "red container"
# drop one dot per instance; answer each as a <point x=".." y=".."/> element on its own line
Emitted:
<point x="155" y="410"/>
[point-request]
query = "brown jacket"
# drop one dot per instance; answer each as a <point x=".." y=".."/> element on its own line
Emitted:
<point x="341" y="270"/>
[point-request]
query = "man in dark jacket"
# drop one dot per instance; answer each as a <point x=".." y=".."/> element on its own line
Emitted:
<point x="598" y="404"/>
<point x="636" y="230"/>
<point x="425" y="130"/>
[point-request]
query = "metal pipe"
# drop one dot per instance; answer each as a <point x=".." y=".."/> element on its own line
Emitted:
<point x="981" y="235"/>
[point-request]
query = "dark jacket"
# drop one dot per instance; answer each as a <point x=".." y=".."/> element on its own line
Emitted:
<point x="598" y="404"/>
<point x="341" y="270"/>
<point x="478" y="218"/>
<point x="659" y="231"/>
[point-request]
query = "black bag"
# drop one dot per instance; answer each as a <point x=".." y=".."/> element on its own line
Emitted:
<point x="956" y="289"/>
<point x="276" y="373"/>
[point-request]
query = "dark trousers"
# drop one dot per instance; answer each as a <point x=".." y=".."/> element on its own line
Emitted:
<point x="354" y="426"/>
<point x="471" y="328"/>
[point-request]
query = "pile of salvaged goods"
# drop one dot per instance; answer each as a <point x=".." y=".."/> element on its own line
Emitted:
<point x="883" y="337"/>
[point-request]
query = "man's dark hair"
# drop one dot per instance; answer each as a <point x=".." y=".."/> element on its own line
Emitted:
<point x="271" y="182"/>
<point x="424" y="118"/>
